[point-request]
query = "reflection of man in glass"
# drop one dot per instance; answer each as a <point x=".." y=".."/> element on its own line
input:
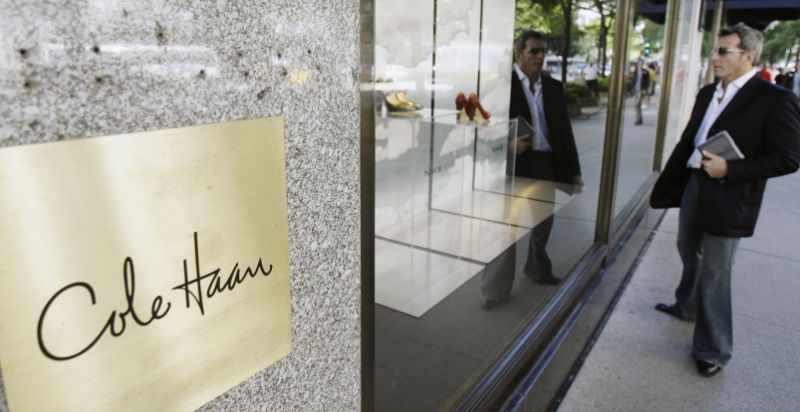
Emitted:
<point x="550" y="154"/>
<point x="546" y="151"/>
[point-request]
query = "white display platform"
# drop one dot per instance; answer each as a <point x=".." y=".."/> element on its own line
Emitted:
<point x="413" y="281"/>
<point x="444" y="207"/>
<point x="478" y="226"/>
<point x="511" y="210"/>
<point x="455" y="235"/>
<point x="544" y="190"/>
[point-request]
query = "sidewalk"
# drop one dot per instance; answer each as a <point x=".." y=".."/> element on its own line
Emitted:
<point x="641" y="361"/>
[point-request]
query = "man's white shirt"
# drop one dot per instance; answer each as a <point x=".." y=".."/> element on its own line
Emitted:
<point x="590" y="73"/>
<point x="718" y="103"/>
<point x="536" y="105"/>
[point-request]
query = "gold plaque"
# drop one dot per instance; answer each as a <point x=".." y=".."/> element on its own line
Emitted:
<point x="143" y="272"/>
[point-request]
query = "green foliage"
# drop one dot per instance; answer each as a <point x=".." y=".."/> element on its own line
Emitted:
<point x="574" y="92"/>
<point x="556" y="41"/>
<point x="602" y="84"/>
<point x="653" y="35"/>
<point x="570" y="97"/>
<point x="546" y="16"/>
<point x="535" y="15"/>
<point x="588" y="43"/>
<point x="780" y="40"/>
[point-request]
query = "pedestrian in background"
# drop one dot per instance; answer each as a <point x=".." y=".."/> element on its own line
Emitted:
<point x="764" y="73"/>
<point x="590" y="75"/>
<point x="780" y="78"/>
<point x="651" y="89"/>
<point x="641" y="82"/>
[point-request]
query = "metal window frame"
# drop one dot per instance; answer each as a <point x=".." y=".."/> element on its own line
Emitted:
<point x="367" y="97"/>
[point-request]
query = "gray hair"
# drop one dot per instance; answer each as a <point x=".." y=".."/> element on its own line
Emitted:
<point x="519" y="44"/>
<point x="751" y="39"/>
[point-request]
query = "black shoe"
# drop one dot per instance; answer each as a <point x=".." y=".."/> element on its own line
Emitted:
<point x="548" y="280"/>
<point x="489" y="304"/>
<point x="638" y="123"/>
<point x="708" y="369"/>
<point x="672" y="311"/>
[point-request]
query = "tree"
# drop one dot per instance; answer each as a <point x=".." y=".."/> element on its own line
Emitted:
<point x="607" y="11"/>
<point x="533" y="15"/>
<point x="653" y="35"/>
<point x="554" y="18"/>
<point x="781" y="40"/>
<point x="566" y="8"/>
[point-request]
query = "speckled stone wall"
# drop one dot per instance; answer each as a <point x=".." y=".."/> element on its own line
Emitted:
<point x="74" y="69"/>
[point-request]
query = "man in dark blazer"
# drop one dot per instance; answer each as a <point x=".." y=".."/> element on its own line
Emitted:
<point x="548" y="154"/>
<point x="719" y="200"/>
<point x="562" y="164"/>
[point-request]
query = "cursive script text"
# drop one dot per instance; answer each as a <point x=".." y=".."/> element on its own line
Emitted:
<point x="116" y="321"/>
<point x="216" y="284"/>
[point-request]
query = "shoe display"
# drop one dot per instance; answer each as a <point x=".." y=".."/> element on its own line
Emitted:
<point x="470" y="109"/>
<point x="461" y="101"/>
<point x="708" y="369"/>
<point x="473" y="98"/>
<point x="406" y="114"/>
<point x="672" y="311"/>
<point x="399" y="102"/>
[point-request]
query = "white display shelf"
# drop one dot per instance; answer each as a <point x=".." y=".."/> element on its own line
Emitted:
<point x="543" y="190"/>
<point x="510" y="210"/>
<point x="455" y="235"/>
<point x="413" y="280"/>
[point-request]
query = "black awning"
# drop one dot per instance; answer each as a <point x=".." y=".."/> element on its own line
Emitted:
<point x="755" y="13"/>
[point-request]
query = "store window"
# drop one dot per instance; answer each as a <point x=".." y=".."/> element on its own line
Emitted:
<point x="640" y="115"/>
<point x="487" y="180"/>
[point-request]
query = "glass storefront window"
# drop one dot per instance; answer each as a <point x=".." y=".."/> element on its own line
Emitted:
<point x="638" y="131"/>
<point x="480" y="217"/>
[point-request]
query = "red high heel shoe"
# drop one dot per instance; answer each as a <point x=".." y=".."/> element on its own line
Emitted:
<point x="473" y="98"/>
<point x="461" y="101"/>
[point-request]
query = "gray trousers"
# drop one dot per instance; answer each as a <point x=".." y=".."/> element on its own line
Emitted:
<point x="704" y="292"/>
<point x="498" y="276"/>
<point x="637" y="102"/>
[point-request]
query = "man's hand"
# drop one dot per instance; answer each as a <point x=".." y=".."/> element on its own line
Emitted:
<point x="522" y="144"/>
<point x="715" y="166"/>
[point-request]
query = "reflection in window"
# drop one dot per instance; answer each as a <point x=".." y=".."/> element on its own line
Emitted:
<point x="478" y="222"/>
<point x="638" y="134"/>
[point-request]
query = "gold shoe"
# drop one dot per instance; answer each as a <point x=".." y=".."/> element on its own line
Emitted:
<point x="405" y="100"/>
<point x="398" y="102"/>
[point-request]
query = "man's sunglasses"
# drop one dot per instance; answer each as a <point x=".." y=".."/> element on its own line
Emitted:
<point x="725" y="50"/>
<point x="536" y="50"/>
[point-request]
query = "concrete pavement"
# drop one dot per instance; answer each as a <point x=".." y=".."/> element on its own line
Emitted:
<point x="641" y="360"/>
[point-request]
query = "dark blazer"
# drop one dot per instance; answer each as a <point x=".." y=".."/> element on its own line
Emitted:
<point x="561" y="139"/>
<point x="764" y="121"/>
